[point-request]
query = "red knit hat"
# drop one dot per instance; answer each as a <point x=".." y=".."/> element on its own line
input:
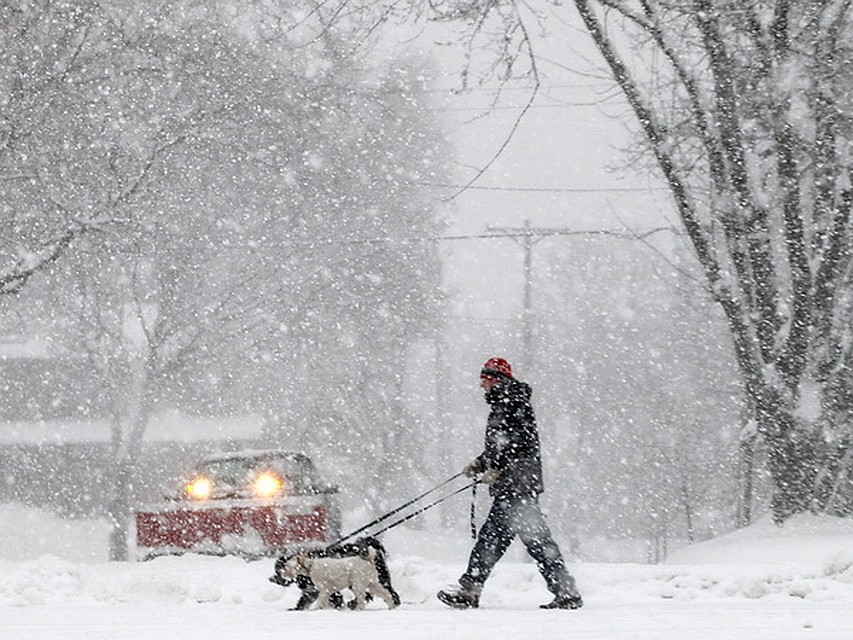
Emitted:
<point x="496" y="368"/>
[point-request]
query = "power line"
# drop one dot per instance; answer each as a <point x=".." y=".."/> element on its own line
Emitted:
<point x="491" y="233"/>
<point x="561" y="105"/>
<point x="529" y="236"/>
<point x="457" y="91"/>
<point x="542" y="232"/>
<point x="438" y="185"/>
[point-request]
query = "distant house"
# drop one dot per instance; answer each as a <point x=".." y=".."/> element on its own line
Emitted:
<point x="170" y="427"/>
<point x="55" y="434"/>
<point x="42" y="382"/>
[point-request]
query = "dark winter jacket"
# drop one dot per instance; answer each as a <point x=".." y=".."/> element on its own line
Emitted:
<point x="512" y="441"/>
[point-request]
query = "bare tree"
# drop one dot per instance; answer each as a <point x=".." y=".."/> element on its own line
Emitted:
<point x="95" y="110"/>
<point x="747" y="119"/>
<point x="78" y="137"/>
<point x="33" y="80"/>
<point x="258" y="213"/>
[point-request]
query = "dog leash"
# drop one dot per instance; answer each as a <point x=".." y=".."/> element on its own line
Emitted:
<point x="384" y="517"/>
<point x="424" y="508"/>
<point x="473" y="512"/>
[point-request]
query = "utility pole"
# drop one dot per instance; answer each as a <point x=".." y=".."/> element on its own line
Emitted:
<point x="526" y="237"/>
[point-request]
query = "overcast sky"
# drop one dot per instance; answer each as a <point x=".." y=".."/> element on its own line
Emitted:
<point x="563" y="167"/>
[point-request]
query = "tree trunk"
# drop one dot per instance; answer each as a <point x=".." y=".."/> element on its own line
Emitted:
<point x="746" y="472"/>
<point x="792" y="457"/>
<point x="119" y="511"/>
<point x="688" y="512"/>
<point x="126" y="451"/>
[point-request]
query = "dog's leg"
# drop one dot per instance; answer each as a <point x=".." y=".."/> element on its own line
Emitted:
<point x="359" y="588"/>
<point x="323" y="600"/>
<point x="306" y="600"/>
<point x="377" y="589"/>
<point x="309" y="593"/>
<point x="385" y="576"/>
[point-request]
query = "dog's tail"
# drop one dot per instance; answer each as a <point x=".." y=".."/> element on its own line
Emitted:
<point x="377" y="545"/>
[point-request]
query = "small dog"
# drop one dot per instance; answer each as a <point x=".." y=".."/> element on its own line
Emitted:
<point x="332" y="575"/>
<point x="359" y="547"/>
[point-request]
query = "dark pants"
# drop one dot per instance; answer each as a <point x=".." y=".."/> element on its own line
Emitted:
<point x="520" y="516"/>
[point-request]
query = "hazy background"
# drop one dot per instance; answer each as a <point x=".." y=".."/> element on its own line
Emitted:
<point x="375" y="376"/>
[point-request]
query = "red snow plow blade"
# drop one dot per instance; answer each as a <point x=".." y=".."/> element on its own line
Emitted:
<point x="242" y="530"/>
<point x="249" y="504"/>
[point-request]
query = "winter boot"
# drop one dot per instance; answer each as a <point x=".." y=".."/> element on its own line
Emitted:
<point x="564" y="602"/>
<point x="465" y="596"/>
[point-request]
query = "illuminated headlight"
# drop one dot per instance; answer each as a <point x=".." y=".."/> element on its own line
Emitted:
<point x="267" y="484"/>
<point x="199" y="488"/>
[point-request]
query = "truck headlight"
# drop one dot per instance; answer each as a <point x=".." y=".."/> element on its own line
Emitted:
<point x="199" y="488"/>
<point x="267" y="484"/>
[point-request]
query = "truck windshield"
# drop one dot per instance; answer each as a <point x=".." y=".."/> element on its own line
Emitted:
<point x="238" y="473"/>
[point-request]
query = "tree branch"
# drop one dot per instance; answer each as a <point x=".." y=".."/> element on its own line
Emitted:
<point x="15" y="278"/>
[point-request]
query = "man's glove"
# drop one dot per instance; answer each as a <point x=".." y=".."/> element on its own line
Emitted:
<point x="477" y="471"/>
<point x="489" y="476"/>
<point x="473" y="468"/>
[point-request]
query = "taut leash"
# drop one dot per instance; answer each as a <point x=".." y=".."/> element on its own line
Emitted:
<point x="384" y="517"/>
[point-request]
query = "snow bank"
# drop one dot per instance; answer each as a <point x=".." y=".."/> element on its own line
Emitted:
<point x="27" y="533"/>
<point x="810" y="556"/>
<point x="46" y="560"/>
<point x="191" y="579"/>
<point x="805" y="539"/>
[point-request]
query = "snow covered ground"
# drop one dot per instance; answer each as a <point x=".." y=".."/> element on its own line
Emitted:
<point x="759" y="583"/>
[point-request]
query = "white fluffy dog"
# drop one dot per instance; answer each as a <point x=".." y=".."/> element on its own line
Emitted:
<point x="329" y="575"/>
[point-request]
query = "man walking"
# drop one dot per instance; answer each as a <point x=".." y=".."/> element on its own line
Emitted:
<point x="512" y="467"/>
